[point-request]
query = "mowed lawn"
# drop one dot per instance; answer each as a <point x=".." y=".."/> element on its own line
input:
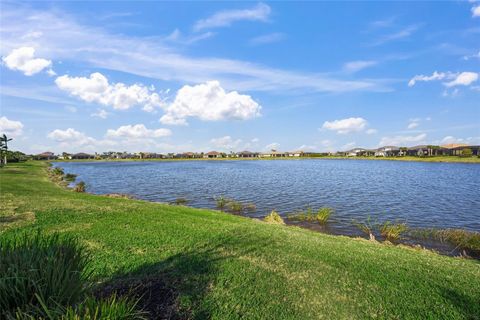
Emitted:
<point x="229" y="267"/>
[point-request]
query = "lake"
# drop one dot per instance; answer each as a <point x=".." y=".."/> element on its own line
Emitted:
<point x="440" y="195"/>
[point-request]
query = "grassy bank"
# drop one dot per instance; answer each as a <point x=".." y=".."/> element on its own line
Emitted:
<point x="228" y="267"/>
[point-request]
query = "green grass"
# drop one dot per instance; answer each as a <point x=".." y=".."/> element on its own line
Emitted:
<point x="230" y="267"/>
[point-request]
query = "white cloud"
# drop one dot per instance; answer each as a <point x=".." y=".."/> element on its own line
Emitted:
<point x="226" y="143"/>
<point x="402" y="34"/>
<point x="413" y="123"/>
<point x="272" y="146"/>
<point x="71" y="109"/>
<point x="463" y="79"/>
<point x="70" y="137"/>
<point x="469" y="140"/>
<point x="472" y="56"/>
<point x="226" y="17"/>
<point x="97" y="89"/>
<point x="354" y="66"/>
<point x="345" y="126"/>
<point x="10" y="127"/>
<point x="23" y="59"/>
<point x="178" y="37"/>
<point x="435" y="76"/>
<point x="267" y="38"/>
<point x="138" y="131"/>
<point x="210" y="102"/>
<point x="402" y="140"/>
<point x="476" y="11"/>
<point x="101" y="113"/>
<point x="64" y="38"/>
<point x="348" y="146"/>
<point x="371" y="131"/>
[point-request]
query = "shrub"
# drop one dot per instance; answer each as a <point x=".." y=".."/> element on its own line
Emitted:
<point x="250" y="207"/>
<point x="40" y="271"/>
<point x="80" y="187"/>
<point x="392" y="231"/>
<point x="180" y="201"/>
<point x="70" y="177"/>
<point x="273" y="217"/>
<point x="467" y="152"/>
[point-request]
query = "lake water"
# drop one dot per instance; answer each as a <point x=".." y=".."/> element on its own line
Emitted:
<point x="442" y="195"/>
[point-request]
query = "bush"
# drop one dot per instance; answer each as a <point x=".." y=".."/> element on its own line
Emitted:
<point x="40" y="271"/>
<point x="467" y="152"/>
<point x="70" y="177"/>
<point x="392" y="231"/>
<point x="57" y="171"/>
<point x="80" y="187"/>
<point x="367" y="227"/>
<point x="274" y="217"/>
<point x="235" y="206"/>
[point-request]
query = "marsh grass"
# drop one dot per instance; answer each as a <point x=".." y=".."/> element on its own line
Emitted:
<point x="221" y="202"/>
<point x="462" y="239"/>
<point x="233" y="206"/>
<point x="321" y="215"/>
<point x="393" y="231"/>
<point x="80" y="187"/>
<point x="70" y="177"/>
<point x="274" y="217"/>
<point x="366" y="226"/>
<point x="180" y="201"/>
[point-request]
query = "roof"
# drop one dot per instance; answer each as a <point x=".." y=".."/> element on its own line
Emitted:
<point x="246" y="152"/>
<point x="46" y="153"/>
<point x="212" y="153"/>
<point x="454" y="145"/>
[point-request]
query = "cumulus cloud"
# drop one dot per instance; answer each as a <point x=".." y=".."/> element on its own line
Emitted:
<point x="435" y="76"/>
<point x="226" y="143"/>
<point x="345" y="126"/>
<point x="23" y="59"/>
<point x="402" y="140"/>
<point x="138" y="131"/>
<point x="210" y="102"/>
<point x="469" y="140"/>
<point x="463" y="79"/>
<point x="476" y="11"/>
<point x="226" y="17"/>
<point x="70" y="136"/>
<point x="10" y="127"/>
<point x="96" y="88"/>
<point x="354" y="66"/>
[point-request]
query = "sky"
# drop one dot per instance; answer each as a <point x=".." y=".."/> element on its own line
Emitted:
<point x="231" y="76"/>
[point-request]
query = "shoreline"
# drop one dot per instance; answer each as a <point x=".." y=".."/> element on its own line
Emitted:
<point x="435" y="159"/>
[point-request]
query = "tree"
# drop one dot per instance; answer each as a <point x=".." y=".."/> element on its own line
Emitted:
<point x="467" y="152"/>
<point x="3" y="149"/>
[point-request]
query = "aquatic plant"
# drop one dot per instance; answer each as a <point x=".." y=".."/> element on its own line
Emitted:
<point x="392" y="231"/>
<point x="57" y="171"/>
<point x="221" y="202"/>
<point x="80" y="187"/>
<point x="235" y="206"/>
<point x="274" y="217"/>
<point x="180" y="201"/>
<point x="70" y="177"/>
<point x="250" y="206"/>
<point x="321" y="216"/>
<point x="462" y="239"/>
<point x="367" y="227"/>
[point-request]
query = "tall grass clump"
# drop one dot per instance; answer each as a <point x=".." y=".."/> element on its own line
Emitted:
<point x="57" y="171"/>
<point x="274" y="217"/>
<point x="393" y="231"/>
<point x="80" y="187"/>
<point x="70" y="177"/>
<point x="462" y="239"/>
<point x="40" y="271"/>
<point x="221" y="202"/>
<point x="180" y="201"/>
<point x="367" y="227"/>
<point x="321" y="215"/>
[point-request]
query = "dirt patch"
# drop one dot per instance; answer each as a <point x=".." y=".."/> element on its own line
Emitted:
<point x="153" y="295"/>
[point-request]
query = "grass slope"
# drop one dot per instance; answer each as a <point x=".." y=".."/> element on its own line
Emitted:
<point x="229" y="267"/>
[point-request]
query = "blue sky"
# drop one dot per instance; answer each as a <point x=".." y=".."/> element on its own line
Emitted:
<point x="229" y="76"/>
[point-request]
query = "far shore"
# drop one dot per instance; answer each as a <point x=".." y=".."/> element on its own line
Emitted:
<point x="450" y="159"/>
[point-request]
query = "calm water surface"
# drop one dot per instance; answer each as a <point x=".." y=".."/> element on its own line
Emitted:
<point x="442" y="195"/>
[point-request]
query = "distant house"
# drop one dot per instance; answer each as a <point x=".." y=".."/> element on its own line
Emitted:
<point x="45" y="156"/>
<point x="458" y="151"/>
<point x="298" y="153"/>
<point x="388" y="151"/>
<point x="212" y="154"/>
<point x="247" y="154"/>
<point x="355" y="152"/>
<point x="82" y="155"/>
<point x="274" y="154"/>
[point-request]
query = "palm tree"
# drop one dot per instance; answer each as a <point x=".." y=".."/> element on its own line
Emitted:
<point x="3" y="149"/>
